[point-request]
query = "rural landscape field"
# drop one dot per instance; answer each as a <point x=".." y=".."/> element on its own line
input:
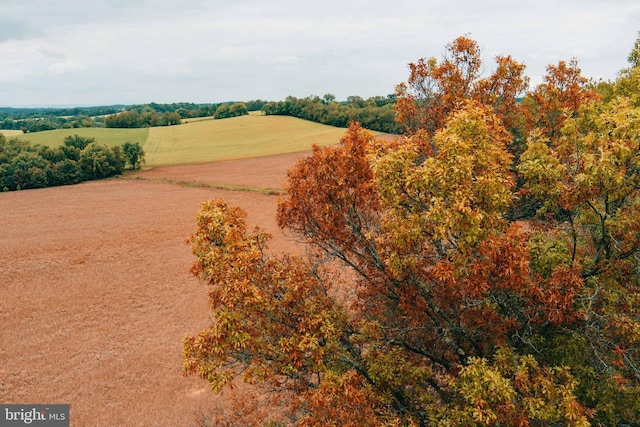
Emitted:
<point x="205" y="140"/>
<point x="97" y="293"/>
<point x="478" y="263"/>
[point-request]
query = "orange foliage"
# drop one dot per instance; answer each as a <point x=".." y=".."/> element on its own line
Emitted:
<point x="435" y="90"/>
<point x="457" y="315"/>
<point x="561" y="95"/>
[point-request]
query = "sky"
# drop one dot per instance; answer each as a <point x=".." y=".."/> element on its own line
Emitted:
<point x="105" y="52"/>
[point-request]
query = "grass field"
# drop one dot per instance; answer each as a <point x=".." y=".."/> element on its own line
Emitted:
<point x="10" y="132"/>
<point x="110" y="137"/>
<point x="205" y="140"/>
<point x="234" y="138"/>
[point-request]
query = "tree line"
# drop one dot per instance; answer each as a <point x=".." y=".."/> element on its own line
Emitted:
<point x="119" y="116"/>
<point x="375" y="113"/>
<point x="25" y="166"/>
<point x="483" y="268"/>
<point x="149" y="115"/>
<point x="41" y="119"/>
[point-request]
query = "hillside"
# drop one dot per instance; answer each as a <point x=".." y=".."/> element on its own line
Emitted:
<point x="111" y="137"/>
<point x="202" y="140"/>
<point x="239" y="137"/>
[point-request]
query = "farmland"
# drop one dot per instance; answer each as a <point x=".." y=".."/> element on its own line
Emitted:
<point x="96" y="290"/>
<point x="110" y="137"/>
<point x="10" y="133"/>
<point x="233" y="138"/>
<point x="199" y="141"/>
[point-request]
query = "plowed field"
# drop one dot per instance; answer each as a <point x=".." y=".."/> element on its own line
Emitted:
<point x="95" y="294"/>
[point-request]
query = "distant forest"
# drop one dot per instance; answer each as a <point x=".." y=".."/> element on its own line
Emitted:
<point x="375" y="113"/>
<point x="117" y="116"/>
<point x="41" y="119"/>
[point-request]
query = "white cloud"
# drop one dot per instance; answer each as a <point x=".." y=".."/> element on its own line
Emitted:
<point x="65" y="66"/>
<point x="202" y="51"/>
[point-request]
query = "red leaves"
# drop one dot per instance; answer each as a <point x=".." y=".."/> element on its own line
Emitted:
<point x="332" y="201"/>
<point x="454" y="313"/>
<point x="561" y="95"/>
<point x="559" y="296"/>
<point x="345" y="400"/>
<point x="435" y="90"/>
<point x="503" y="295"/>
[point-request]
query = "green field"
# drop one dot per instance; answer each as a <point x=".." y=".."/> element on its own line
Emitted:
<point x="233" y="138"/>
<point x="201" y="140"/>
<point x="110" y="137"/>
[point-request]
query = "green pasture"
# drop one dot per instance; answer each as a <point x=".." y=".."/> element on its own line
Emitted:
<point x="234" y="138"/>
<point x="107" y="136"/>
<point x="206" y="140"/>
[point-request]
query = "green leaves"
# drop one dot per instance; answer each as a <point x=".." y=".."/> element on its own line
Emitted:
<point x="513" y="390"/>
<point x="457" y="196"/>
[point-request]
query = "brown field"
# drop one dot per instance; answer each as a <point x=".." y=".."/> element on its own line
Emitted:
<point x="96" y="295"/>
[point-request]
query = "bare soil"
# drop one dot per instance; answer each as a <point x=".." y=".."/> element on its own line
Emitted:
<point x="95" y="293"/>
<point x="258" y="173"/>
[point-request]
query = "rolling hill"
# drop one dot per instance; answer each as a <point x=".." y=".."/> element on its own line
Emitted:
<point x="200" y="141"/>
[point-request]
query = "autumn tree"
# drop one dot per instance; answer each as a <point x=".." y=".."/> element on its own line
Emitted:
<point x="588" y="185"/>
<point x="560" y="96"/>
<point x="436" y="89"/>
<point x="419" y="300"/>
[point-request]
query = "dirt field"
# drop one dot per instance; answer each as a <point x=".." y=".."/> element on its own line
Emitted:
<point x="96" y="295"/>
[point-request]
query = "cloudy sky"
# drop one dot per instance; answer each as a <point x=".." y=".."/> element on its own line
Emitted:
<point x="70" y="52"/>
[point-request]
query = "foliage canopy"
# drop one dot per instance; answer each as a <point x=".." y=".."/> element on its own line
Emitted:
<point x="429" y="295"/>
<point x="24" y="166"/>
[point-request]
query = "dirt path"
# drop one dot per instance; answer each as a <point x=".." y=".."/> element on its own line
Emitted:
<point x="96" y="295"/>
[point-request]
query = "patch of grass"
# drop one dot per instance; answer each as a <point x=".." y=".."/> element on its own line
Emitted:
<point x="206" y="140"/>
<point x="11" y="132"/>
<point x="235" y="138"/>
<point x="107" y="136"/>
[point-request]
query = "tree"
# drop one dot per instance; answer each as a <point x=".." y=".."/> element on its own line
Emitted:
<point x="375" y="113"/>
<point x="170" y="119"/>
<point x="328" y="98"/>
<point x="149" y="118"/>
<point x="436" y="89"/>
<point x="588" y="183"/>
<point x="28" y="170"/>
<point x="419" y="300"/>
<point x="222" y="112"/>
<point x="559" y="97"/>
<point x="134" y="154"/>
<point x="77" y="141"/>
<point x="99" y="161"/>
<point x="238" y="109"/>
<point x="64" y="172"/>
<point x="125" y="119"/>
